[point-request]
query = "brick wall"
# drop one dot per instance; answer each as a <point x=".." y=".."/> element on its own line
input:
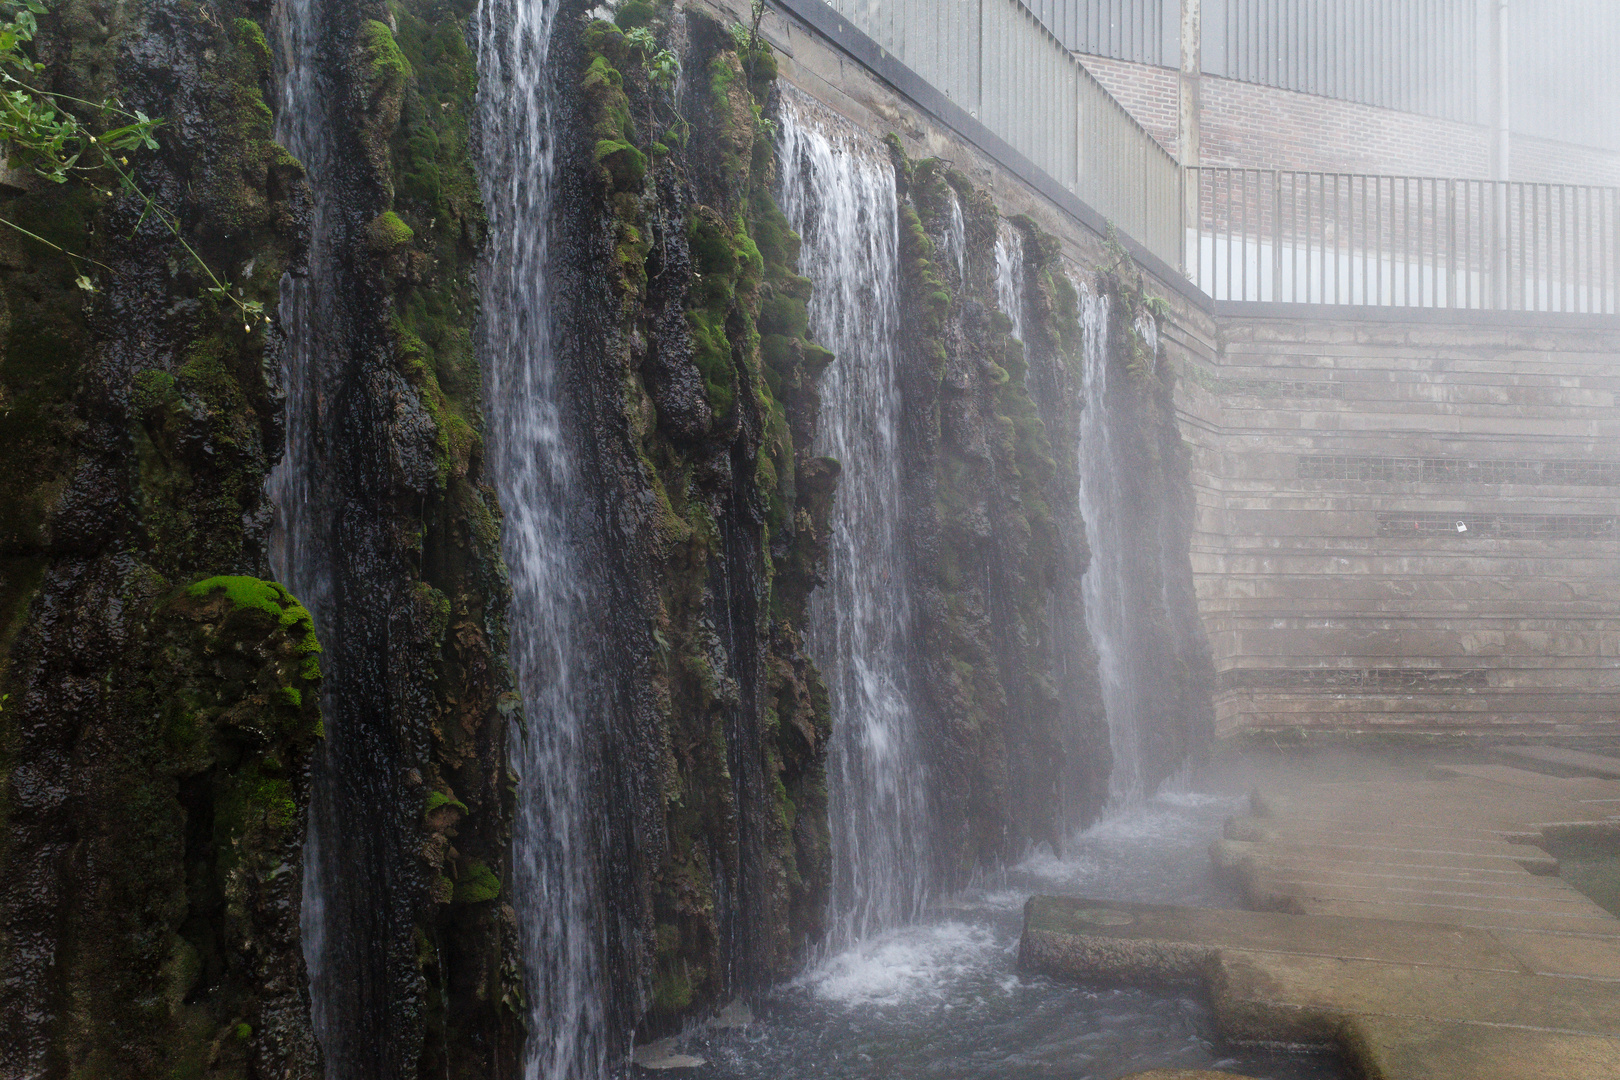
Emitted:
<point x="1262" y="127"/>
<point x="1151" y="94"/>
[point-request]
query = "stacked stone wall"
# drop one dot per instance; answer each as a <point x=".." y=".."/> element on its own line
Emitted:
<point x="1409" y="525"/>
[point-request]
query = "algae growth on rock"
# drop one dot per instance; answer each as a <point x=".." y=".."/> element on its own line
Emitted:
<point x="172" y="716"/>
<point x="689" y="398"/>
<point x="155" y="731"/>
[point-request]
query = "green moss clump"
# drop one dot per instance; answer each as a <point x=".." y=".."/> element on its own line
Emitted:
<point x="388" y="67"/>
<point x="634" y="14"/>
<point x="438" y="799"/>
<point x="388" y="232"/>
<point x="477" y="884"/>
<point x="626" y="165"/>
<point x="256" y="594"/>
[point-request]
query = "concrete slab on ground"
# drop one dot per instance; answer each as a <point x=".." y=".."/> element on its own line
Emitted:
<point x="1472" y="845"/>
<point x="1569" y="762"/>
<point x="1405" y="1000"/>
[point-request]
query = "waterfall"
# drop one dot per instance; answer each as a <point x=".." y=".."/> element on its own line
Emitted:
<point x="956" y="238"/>
<point x="532" y="463"/>
<point x="299" y="556"/>
<point x="838" y="190"/>
<point x="1010" y="276"/>
<point x="1106" y="588"/>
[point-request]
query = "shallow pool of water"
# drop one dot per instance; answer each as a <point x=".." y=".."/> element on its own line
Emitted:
<point x="944" y="1000"/>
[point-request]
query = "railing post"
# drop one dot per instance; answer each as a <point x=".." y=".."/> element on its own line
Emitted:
<point x="1276" y="232"/>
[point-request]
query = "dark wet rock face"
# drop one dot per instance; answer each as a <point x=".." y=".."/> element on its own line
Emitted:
<point x="684" y="340"/>
<point x="389" y="519"/>
<point x="172" y="718"/>
<point x="156" y="731"/>
<point x="1011" y="699"/>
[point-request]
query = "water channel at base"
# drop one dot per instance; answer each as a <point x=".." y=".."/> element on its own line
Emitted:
<point x="944" y="1000"/>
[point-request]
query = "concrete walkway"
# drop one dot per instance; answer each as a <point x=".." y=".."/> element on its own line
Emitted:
<point x="1462" y="849"/>
<point x="1416" y="925"/>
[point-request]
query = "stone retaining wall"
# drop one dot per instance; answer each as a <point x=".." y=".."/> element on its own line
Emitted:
<point x="1334" y="451"/>
<point x="1410" y="524"/>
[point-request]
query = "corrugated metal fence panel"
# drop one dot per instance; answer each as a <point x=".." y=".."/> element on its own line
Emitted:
<point x="1430" y="57"/>
<point x="1142" y="31"/>
<point x="1000" y="62"/>
<point x="1422" y="56"/>
<point x="1564" y="70"/>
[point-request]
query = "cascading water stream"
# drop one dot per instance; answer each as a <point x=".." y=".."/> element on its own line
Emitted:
<point x="1010" y="276"/>
<point x="1105" y="587"/>
<point x="298" y="554"/>
<point x="838" y="191"/>
<point x="956" y="238"/>
<point x="535" y="474"/>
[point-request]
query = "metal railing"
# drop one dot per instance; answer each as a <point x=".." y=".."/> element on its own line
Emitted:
<point x="1278" y="236"/>
<point x="996" y="60"/>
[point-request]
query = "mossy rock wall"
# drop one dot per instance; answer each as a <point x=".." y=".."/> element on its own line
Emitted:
<point x="1175" y="689"/>
<point x="159" y="700"/>
<point x="141" y="423"/>
<point x="1009" y="692"/>
<point x="697" y="406"/>
<point x="419" y="976"/>
<point x="1010" y="695"/>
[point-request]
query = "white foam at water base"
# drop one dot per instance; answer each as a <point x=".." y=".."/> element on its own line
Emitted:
<point x="903" y="966"/>
<point x="1193" y="800"/>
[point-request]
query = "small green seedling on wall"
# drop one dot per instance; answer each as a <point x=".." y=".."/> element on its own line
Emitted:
<point x="52" y="142"/>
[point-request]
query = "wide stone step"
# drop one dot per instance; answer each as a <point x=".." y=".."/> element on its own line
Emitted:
<point x="1571" y="922"/>
<point x="1403" y="1000"/>
<point x="1392" y="1048"/>
<point x="1565" y="762"/>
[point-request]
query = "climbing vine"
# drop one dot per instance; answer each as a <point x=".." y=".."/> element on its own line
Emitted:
<point x="49" y="140"/>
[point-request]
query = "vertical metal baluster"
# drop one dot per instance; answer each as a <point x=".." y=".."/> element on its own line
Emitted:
<point x="1523" y="248"/>
<point x="1611" y="258"/>
<point x="1293" y="236"/>
<point x="1243" y="225"/>
<point x="1276" y="235"/>
<point x="1583" y="245"/>
<point x="1363" y="179"/>
<point x="1310" y="235"/>
<point x="1338" y="272"/>
<point x="1563" y="248"/>
<point x="1543" y="245"/>
<point x="1472" y="226"/>
<point x="1431" y="252"/>
<point x="1406" y="240"/>
<point x="1450" y="253"/>
<point x="1378" y="244"/>
<point x="1226" y="228"/>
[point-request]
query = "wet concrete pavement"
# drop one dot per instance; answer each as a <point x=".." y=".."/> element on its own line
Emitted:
<point x="1415" y="922"/>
